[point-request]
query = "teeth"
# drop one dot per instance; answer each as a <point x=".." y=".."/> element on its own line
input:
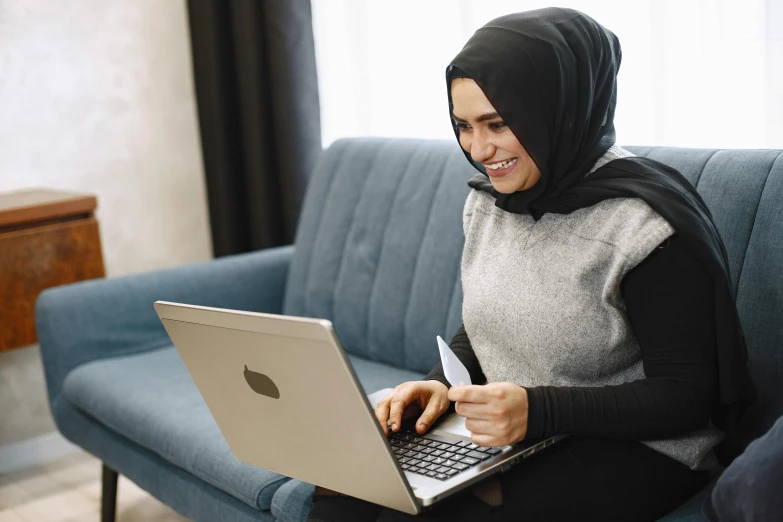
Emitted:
<point x="501" y="165"/>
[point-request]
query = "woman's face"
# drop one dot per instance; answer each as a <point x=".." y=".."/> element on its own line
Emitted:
<point x="484" y="135"/>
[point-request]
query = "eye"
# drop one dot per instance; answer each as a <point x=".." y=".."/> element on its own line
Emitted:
<point x="497" y="125"/>
<point x="463" y="127"/>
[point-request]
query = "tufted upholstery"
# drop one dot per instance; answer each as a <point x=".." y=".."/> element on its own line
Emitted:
<point x="378" y="247"/>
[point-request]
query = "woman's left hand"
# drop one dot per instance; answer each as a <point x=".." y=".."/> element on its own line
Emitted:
<point x="496" y="413"/>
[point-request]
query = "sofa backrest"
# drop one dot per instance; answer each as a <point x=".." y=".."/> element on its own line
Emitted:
<point x="378" y="247"/>
<point x="744" y="191"/>
<point x="380" y="237"/>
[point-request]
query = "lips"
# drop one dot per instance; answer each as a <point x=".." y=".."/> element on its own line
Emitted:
<point x="500" y="172"/>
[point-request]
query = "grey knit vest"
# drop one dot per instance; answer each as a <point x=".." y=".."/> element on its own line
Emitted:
<point x="542" y="303"/>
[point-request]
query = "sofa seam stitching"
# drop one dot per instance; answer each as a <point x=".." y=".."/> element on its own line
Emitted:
<point x="308" y="275"/>
<point x="282" y="480"/>
<point x="755" y="217"/>
<point x="703" y="168"/>
<point x="348" y="235"/>
<point x="451" y="299"/>
<point x="416" y="263"/>
<point x="382" y="249"/>
<point x="456" y="283"/>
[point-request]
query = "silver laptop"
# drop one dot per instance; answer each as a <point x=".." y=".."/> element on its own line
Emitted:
<point x="285" y="397"/>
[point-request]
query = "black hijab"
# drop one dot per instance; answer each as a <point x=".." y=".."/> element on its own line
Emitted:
<point x="552" y="76"/>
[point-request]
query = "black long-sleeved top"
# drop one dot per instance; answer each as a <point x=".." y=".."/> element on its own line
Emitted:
<point x="669" y="302"/>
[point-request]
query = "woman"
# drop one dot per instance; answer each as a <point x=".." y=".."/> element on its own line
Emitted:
<point x="597" y="300"/>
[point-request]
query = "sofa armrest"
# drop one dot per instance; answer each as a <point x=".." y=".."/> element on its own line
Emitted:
<point x="102" y="318"/>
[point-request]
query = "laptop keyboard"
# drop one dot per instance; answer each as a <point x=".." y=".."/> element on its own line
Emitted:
<point x="435" y="456"/>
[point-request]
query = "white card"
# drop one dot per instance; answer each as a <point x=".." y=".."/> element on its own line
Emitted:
<point x="453" y="368"/>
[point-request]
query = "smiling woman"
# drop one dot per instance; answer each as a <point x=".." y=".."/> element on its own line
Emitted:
<point x="596" y="298"/>
<point x="484" y="135"/>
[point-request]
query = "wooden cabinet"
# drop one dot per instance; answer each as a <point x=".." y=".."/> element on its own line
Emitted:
<point x="47" y="238"/>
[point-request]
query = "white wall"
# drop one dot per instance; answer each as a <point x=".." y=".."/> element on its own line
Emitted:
<point x="695" y="73"/>
<point x="98" y="96"/>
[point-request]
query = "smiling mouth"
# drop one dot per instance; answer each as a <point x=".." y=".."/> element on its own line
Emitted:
<point x="501" y="168"/>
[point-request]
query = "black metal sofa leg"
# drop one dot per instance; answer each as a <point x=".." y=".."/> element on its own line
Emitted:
<point x="109" y="494"/>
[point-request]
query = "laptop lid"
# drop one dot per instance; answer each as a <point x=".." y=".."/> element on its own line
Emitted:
<point x="286" y="399"/>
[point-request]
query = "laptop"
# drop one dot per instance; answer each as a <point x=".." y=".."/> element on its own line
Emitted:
<point x="286" y="399"/>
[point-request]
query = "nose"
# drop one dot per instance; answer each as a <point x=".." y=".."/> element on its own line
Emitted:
<point x="481" y="148"/>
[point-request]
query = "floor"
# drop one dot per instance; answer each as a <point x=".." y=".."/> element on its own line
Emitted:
<point x="69" y="490"/>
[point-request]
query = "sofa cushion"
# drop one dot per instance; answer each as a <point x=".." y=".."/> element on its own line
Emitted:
<point x="375" y="376"/>
<point x="151" y="399"/>
<point x="292" y="501"/>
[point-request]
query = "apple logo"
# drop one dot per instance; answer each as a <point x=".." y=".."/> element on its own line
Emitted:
<point x="261" y="384"/>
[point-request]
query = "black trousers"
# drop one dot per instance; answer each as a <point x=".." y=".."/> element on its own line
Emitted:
<point x="578" y="478"/>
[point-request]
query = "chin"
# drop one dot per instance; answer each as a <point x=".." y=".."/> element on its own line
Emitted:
<point x="505" y="188"/>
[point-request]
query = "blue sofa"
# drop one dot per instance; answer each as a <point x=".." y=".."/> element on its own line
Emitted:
<point x="378" y="253"/>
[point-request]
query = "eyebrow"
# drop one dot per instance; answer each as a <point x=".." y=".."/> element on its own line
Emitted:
<point x="483" y="117"/>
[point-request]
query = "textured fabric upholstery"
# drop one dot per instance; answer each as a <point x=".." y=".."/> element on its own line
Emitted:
<point x="378" y="247"/>
<point x="90" y="320"/>
<point x="151" y="399"/>
<point x="292" y="501"/>
<point x="375" y="376"/>
<point x="105" y="319"/>
<point x="171" y="484"/>
<point x="744" y="191"/>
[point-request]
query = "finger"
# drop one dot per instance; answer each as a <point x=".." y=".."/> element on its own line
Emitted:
<point x="473" y="410"/>
<point x="471" y="393"/>
<point x="382" y="412"/>
<point x="434" y="409"/>
<point x="401" y="399"/>
<point x="483" y="439"/>
<point x="480" y="427"/>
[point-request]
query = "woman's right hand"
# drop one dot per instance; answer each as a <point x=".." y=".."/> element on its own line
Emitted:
<point x="428" y="398"/>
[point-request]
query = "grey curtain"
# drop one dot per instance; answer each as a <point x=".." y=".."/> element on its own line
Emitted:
<point x="257" y="96"/>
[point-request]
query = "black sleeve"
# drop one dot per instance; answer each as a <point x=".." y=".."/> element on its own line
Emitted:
<point x="669" y="301"/>
<point x="462" y="348"/>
